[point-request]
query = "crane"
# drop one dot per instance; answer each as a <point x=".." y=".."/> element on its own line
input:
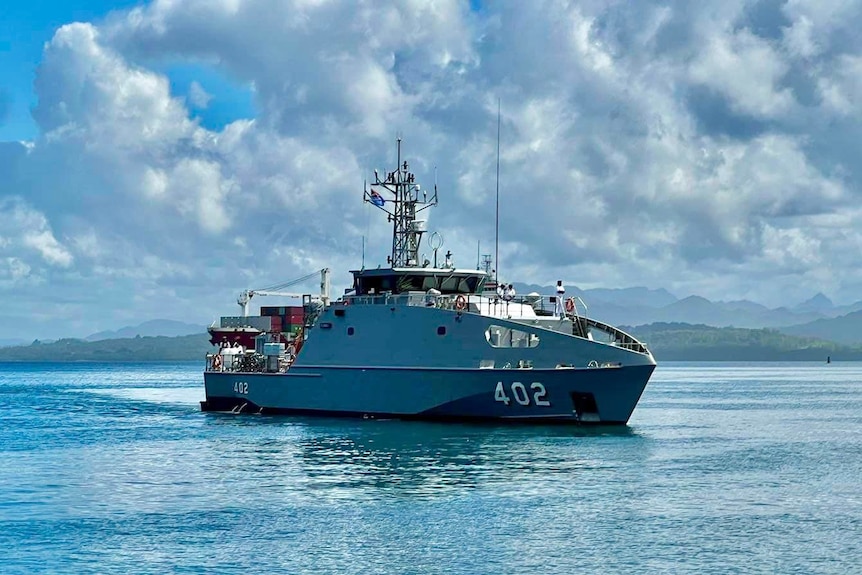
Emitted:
<point x="245" y="296"/>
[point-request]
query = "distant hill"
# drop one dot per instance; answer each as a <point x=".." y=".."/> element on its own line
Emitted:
<point x="686" y="342"/>
<point x="818" y="304"/>
<point x="845" y="329"/>
<point x="153" y="328"/>
<point x="667" y="341"/>
<point x="642" y="306"/>
<point x="182" y="348"/>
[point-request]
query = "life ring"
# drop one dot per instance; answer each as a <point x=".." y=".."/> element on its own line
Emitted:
<point x="570" y="305"/>
<point x="217" y="362"/>
<point x="460" y="303"/>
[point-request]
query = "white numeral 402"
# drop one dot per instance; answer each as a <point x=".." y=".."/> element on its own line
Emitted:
<point x="522" y="397"/>
<point x="240" y="387"/>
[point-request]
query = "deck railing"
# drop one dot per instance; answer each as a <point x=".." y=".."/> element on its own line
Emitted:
<point x="542" y="305"/>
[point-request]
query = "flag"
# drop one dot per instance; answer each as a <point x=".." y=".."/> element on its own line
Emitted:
<point x="377" y="199"/>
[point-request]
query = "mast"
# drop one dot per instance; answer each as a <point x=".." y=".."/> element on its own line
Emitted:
<point x="407" y="199"/>
<point x="497" y="221"/>
<point x="405" y="242"/>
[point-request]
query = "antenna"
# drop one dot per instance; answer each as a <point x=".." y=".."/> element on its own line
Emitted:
<point x="402" y="202"/>
<point x="435" y="242"/>
<point x="497" y="221"/>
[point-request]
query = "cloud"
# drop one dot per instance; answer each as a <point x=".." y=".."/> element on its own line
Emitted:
<point x="13" y="270"/>
<point x="746" y="70"/>
<point x="24" y="230"/>
<point x="841" y="88"/>
<point x="707" y="149"/>
<point x="288" y="52"/>
<point x="198" y="97"/>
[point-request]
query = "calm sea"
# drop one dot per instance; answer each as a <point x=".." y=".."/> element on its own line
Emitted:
<point x="724" y="468"/>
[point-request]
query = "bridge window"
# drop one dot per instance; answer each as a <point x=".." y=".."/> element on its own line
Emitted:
<point x="500" y="336"/>
<point x="400" y="283"/>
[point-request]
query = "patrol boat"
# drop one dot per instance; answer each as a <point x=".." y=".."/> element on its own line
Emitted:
<point x="418" y="341"/>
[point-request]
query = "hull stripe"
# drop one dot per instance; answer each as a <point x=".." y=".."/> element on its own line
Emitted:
<point x="298" y="366"/>
<point x="231" y="405"/>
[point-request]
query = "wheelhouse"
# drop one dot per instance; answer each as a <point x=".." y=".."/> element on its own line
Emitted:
<point x="403" y="280"/>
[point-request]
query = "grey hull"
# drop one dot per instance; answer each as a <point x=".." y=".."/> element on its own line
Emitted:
<point x="604" y="395"/>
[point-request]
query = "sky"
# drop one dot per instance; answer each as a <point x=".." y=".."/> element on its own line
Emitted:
<point x="158" y="157"/>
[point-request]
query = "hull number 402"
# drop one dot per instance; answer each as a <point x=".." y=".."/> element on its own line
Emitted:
<point x="521" y="395"/>
<point x="240" y="387"/>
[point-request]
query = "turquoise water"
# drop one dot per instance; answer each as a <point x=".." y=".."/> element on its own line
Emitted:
<point x="743" y="468"/>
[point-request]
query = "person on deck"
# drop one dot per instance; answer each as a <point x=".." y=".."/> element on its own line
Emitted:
<point x="559" y="310"/>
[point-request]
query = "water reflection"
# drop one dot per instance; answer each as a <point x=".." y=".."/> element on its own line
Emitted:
<point x="349" y="459"/>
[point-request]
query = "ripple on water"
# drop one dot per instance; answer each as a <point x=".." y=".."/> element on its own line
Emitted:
<point x="724" y="469"/>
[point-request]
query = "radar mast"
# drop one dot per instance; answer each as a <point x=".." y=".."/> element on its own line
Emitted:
<point x="406" y="198"/>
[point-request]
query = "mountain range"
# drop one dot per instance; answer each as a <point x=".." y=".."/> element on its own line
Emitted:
<point x="844" y="329"/>
<point x="815" y="317"/>
<point x="636" y="306"/>
<point x="152" y="328"/>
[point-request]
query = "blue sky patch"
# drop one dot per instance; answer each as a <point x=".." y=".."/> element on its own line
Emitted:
<point x="228" y="100"/>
